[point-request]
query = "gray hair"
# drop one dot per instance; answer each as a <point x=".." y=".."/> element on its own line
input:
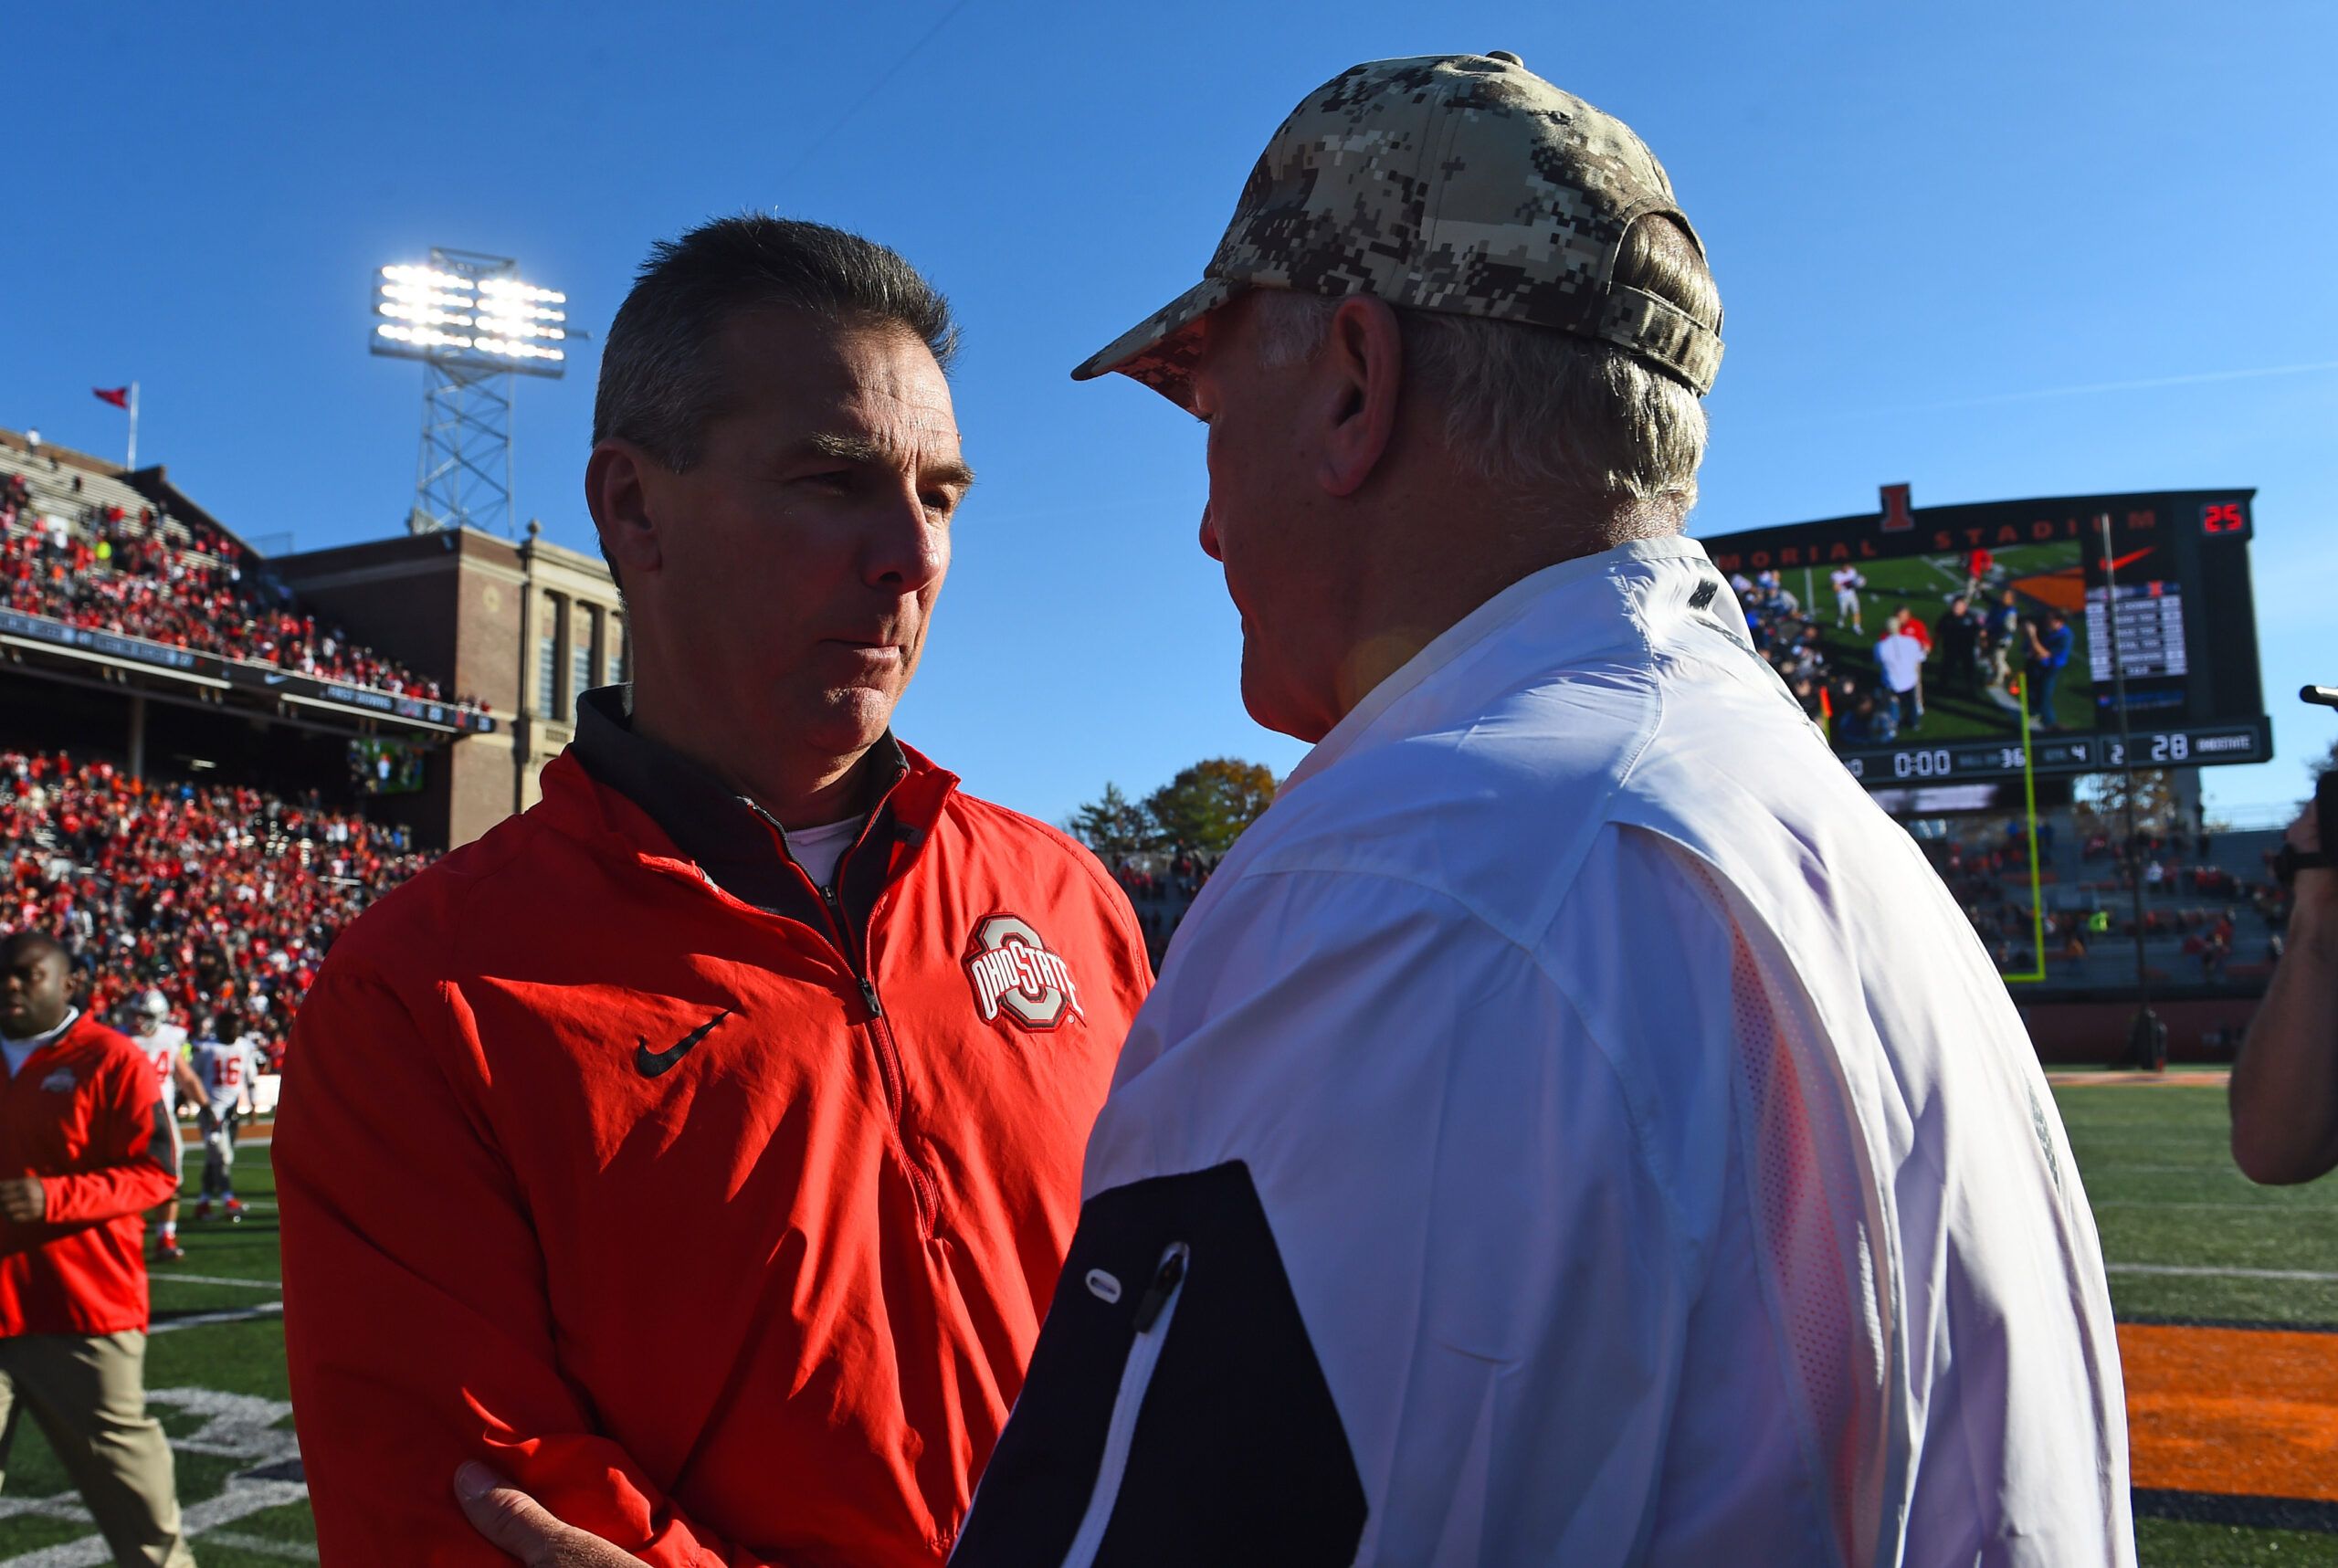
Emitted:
<point x="1538" y="411"/>
<point x="661" y="382"/>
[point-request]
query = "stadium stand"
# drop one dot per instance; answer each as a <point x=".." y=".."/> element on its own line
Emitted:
<point x="223" y="899"/>
<point x="2213" y="912"/>
<point x="1786" y="632"/>
<point x="1162" y="887"/>
<point x="89" y="552"/>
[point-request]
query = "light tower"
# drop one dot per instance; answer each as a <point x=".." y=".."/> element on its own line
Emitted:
<point x="474" y="325"/>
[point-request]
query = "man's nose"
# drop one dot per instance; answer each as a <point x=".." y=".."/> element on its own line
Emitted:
<point x="905" y="553"/>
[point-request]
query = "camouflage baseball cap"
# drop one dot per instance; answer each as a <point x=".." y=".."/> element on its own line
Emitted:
<point x="1455" y="182"/>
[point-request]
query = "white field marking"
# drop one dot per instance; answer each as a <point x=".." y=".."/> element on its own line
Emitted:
<point x="65" y="1505"/>
<point x="261" y="1546"/>
<point x="189" y="1196"/>
<point x="2164" y="1171"/>
<point x="2207" y="1273"/>
<point x="234" y="1315"/>
<point x="251" y="1206"/>
<point x="236" y="1427"/>
<point x="214" y="1280"/>
<point x="2285" y="1209"/>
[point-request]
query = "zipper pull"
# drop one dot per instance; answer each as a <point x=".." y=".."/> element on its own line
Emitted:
<point x="1163" y="1285"/>
<point x="869" y="994"/>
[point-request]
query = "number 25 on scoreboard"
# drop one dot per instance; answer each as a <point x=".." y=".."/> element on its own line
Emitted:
<point x="2218" y="518"/>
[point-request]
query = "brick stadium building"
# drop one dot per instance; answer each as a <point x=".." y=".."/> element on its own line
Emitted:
<point x="212" y="758"/>
<point x="139" y="629"/>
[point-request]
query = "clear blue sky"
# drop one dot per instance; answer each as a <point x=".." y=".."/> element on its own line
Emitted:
<point x="1927" y="228"/>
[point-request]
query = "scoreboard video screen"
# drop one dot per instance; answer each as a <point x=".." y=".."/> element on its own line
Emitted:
<point x="1928" y="640"/>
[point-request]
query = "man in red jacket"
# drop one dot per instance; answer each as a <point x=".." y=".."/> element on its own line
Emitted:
<point x="84" y="1153"/>
<point x="700" y="1148"/>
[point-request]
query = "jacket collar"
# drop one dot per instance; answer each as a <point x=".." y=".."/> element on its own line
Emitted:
<point x="1529" y="597"/>
<point x="47" y="1037"/>
<point x="738" y="846"/>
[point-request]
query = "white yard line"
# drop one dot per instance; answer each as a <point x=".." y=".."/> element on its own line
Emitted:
<point x="261" y="1546"/>
<point x="158" y="1274"/>
<point x="2092" y="1171"/>
<point x="238" y="1315"/>
<point x="2204" y="1274"/>
<point x="251" y="1205"/>
<point x="1953" y="574"/>
<point x="241" y="1498"/>
<point x="237" y="1425"/>
<point x="2288" y="1211"/>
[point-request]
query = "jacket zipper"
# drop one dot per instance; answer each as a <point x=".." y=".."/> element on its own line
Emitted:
<point x="1158" y="1305"/>
<point x="922" y="1192"/>
<point x="889" y="1061"/>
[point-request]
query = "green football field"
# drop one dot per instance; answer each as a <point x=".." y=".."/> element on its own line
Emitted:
<point x="2227" y="1299"/>
<point x="2195" y="1250"/>
<point x="214" y="1376"/>
<point x="1954" y="710"/>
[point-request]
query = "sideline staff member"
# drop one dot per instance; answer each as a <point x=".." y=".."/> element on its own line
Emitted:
<point x="85" y="1150"/>
<point x="700" y="1147"/>
<point x="2285" y="1085"/>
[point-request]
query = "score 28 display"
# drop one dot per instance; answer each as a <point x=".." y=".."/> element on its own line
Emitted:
<point x="1917" y="637"/>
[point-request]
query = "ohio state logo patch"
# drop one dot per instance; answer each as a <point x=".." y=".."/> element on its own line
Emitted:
<point x="1014" y="972"/>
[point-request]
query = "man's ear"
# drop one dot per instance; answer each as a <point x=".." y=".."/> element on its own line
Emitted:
<point x="1364" y="363"/>
<point x="616" y="494"/>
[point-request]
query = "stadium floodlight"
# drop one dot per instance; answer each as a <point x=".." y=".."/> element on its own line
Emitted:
<point x="459" y="309"/>
<point x="474" y="324"/>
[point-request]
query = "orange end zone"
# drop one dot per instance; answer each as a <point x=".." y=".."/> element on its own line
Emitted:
<point x="2243" y="1412"/>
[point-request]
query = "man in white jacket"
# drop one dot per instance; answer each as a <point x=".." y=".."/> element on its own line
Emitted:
<point x="1574" y="1126"/>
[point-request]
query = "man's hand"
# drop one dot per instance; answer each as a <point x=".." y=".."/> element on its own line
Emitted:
<point x="23" y="1199"/>
<point x="519" y="1524"/>
<point x="2319" y="884"/>
<point x="2285" y="1086"/>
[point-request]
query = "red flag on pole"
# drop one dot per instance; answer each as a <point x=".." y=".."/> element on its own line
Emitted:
<point x="117" y="396"/>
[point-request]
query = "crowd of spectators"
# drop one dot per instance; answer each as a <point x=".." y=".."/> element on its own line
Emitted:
<point x="1854" y="707"/>
<point x="2199" y="905"/>
<point x="1981" y="641"/>
<point x="1163" y="878"/>
<point x="223" y="899"/>
<point x="1162" y="887"/>
<point x="168" y="581"/>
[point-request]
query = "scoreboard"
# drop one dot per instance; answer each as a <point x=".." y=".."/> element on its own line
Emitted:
<point x="2012" y="611"/>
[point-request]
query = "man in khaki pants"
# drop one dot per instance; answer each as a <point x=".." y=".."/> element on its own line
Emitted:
<point x="84" y="1153"/>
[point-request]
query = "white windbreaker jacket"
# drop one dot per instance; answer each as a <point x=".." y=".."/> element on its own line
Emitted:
<point x="1575" y="1127"/>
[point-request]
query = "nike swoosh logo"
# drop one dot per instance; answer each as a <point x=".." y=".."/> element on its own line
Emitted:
<point x="654" y="1063"/>
<point x="274" y="679"/>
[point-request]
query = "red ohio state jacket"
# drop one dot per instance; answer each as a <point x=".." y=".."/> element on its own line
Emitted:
<point x="84" y="1115"/>
<point x="718" y="1211"/>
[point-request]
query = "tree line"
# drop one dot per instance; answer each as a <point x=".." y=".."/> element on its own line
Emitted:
<point x="1200" y="811"/>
